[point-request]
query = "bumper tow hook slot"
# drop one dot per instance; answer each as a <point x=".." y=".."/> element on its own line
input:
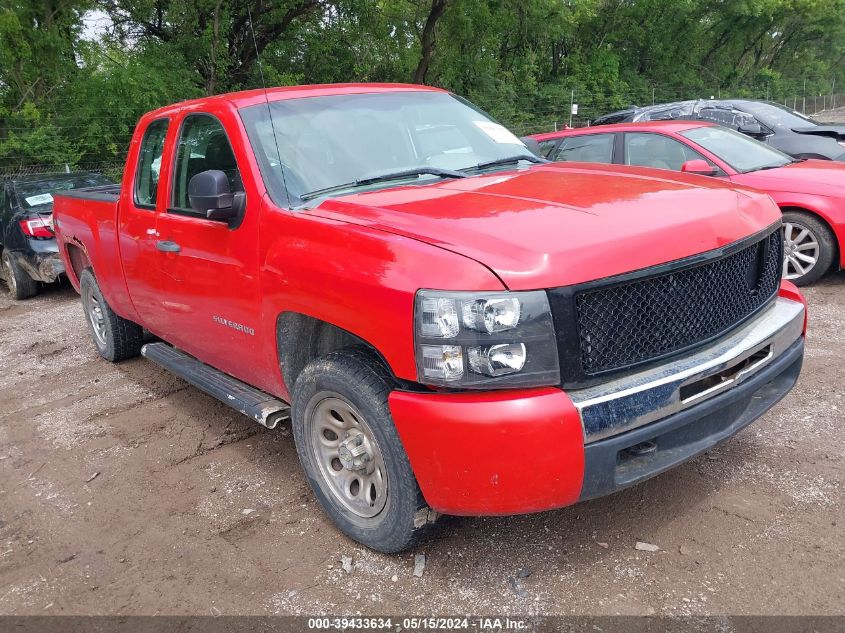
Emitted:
<point x="643" y="448"/>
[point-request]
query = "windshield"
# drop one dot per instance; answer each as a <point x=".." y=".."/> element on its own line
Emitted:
<point x="777" y="116"/>
<point x="326" y="143"/>
<point x="739" y="151"/>
<point x="38" y="193"/>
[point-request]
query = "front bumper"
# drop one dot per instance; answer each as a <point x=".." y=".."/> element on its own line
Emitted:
<point x="41" y="261"/>
<point x="510" y="452"/>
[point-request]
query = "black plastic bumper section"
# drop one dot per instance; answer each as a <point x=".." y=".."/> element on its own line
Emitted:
<point x="624" y="460"/>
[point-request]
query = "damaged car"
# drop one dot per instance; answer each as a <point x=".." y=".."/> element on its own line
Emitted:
<point x="27" y="241"/>
<point x="783" y="128"/>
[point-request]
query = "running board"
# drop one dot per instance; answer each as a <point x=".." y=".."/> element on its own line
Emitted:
<point x="258" y="405"/>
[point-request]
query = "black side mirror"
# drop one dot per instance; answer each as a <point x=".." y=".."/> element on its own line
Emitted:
<point x="752" y="129"/>
<point x="209" y="193"/>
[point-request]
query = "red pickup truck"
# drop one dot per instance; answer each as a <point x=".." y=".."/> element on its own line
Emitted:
<point x="452" y="324"/>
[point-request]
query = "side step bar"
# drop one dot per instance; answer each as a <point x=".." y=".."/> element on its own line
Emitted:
<point x="260" y="406"/>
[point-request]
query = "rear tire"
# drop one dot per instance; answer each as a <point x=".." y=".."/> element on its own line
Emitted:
<point x="809" y="247"/>
<point x="352" y="455"/>
<point x="116" y="338"/>
<point x="20" y="284"/>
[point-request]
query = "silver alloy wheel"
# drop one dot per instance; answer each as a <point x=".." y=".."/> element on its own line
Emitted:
<point x="800" y="250"/>
<point x="96" y="318"/>
<point x="10" y="275"/>
<point x="347" y="455"/>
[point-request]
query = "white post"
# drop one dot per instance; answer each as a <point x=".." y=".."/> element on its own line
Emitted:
<point x="804" y="98"/>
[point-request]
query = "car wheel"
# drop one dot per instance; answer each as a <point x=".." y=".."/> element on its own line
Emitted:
<point x="20" y="284"/>
<point x="808" y="247"/>
<point x="116" y="338"/>
<point x="351" y="452"/>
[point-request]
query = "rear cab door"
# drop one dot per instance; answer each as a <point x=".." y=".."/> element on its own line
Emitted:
<point x="142" y="200"/>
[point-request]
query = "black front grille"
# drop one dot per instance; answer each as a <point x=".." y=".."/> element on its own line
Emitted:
<point x="621" y="324"/>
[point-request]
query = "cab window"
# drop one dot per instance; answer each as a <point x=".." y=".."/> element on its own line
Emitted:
<point x="656" y="150"/>
<point x="587" y="148"/>
<point x="149" y="164"/>
<point x="203" y="145"/>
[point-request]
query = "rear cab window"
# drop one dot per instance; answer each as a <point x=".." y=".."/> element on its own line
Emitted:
<point x="149" y="164"/>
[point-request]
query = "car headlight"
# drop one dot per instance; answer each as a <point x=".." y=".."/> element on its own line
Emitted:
<point x="485" y="340"/>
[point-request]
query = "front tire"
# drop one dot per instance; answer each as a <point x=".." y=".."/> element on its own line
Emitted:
<point x="116" y="338"/>
<point x="20" y="284"/>
<point x="352" y="455"/>
<point x="808" y="247"/>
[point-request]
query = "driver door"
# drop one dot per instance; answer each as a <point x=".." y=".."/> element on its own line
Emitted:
<point x="208" y="270"/>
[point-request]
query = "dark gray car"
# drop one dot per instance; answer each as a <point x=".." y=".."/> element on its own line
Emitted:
<point x="28" y="250"/>
<point x="781" y="127"/>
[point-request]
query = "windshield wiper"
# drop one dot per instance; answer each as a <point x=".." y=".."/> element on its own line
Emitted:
<point x="509" y="160"/>
<point x="385" y="177"/>
<point x="775" y="166"/>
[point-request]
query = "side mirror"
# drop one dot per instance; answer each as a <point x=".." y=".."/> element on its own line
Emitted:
<point x="209" y="194"/>
<point x="751" y="129"/>
<point x="699" y="167"/>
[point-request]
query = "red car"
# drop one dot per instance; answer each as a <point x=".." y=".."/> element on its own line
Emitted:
<point x="452" y="324"/>
<point x="811" y="193"/>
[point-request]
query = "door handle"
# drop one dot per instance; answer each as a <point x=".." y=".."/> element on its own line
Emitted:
<point x="166" y="246"/>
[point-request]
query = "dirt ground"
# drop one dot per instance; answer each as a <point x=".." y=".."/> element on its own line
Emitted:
<point x="124" y="491"/>
<point x="832" y="116"/>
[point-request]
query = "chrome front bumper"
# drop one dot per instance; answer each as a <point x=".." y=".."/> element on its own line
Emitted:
<point x="638" y="399"/>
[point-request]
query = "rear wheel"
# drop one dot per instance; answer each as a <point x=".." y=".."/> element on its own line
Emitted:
<point x="19" y="283"/>
<point x="116" y="338"/>
<point x="808" y="247"/>
<point x="352" y="455"/>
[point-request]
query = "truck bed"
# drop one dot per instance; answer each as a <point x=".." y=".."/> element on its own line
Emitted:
<point x="86" y="223"/>
<point x="102" y="193"/>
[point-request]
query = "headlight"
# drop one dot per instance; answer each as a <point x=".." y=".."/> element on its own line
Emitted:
<point x="485" y="340"/>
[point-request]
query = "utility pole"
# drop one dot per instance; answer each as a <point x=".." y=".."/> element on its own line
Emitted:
<point x="833" y="94"/>
<point x="652" y="95"/>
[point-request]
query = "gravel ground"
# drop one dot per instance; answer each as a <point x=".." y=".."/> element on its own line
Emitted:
<point x="832" y="116"/>
<point x="124" y="491"/>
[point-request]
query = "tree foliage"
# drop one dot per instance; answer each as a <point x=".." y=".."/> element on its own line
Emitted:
<point x="68" y="96"/>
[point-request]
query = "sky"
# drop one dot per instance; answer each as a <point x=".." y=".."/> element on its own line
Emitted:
<point x="95" y="23"/>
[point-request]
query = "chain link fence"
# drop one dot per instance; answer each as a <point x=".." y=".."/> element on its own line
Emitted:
<point x="111" y="169"/>
<point x="581" y="108"/>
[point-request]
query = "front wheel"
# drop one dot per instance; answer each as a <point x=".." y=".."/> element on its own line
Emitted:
<point x="352" y="455"/>
<point x="808" y="247"/>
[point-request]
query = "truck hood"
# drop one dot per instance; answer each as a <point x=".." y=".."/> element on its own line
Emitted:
<point x="818" y="177"/>
<point x="554" y="225"/>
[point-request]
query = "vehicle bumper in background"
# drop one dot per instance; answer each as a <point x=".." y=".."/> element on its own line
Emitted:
<point x="510" y="452"/>
<point x="42" y="262"/>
